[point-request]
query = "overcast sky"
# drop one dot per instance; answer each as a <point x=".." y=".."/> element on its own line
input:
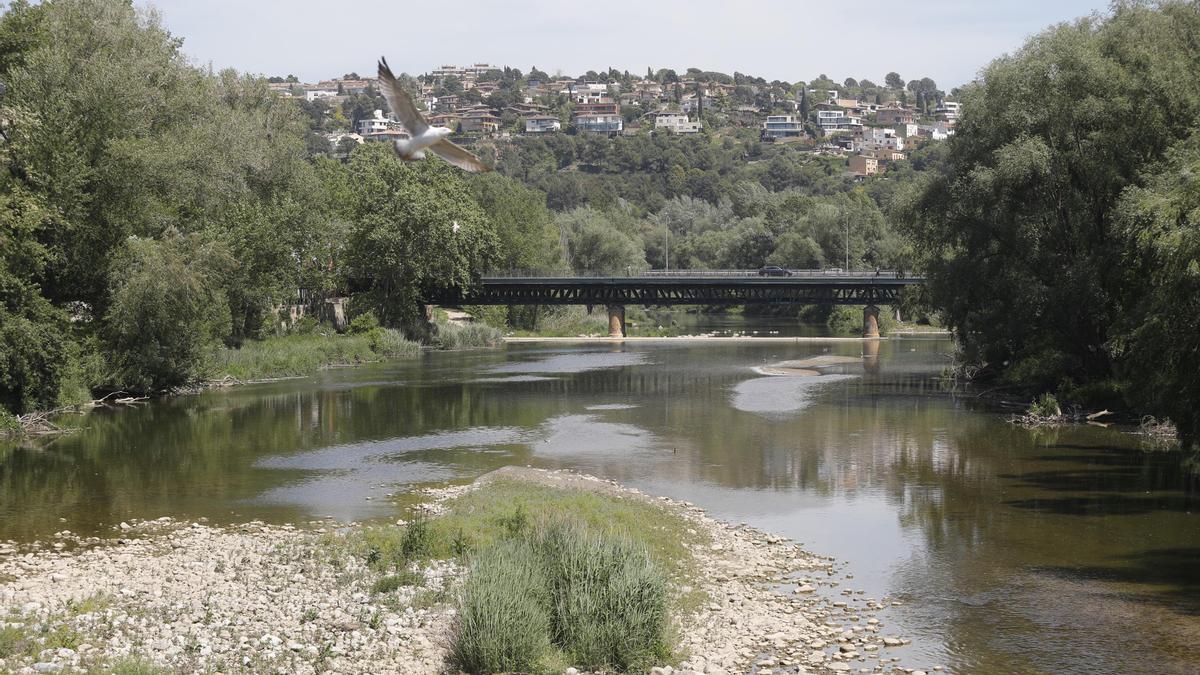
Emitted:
<point x="948" y="40"/>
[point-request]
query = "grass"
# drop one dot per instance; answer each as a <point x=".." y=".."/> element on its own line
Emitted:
<point x="561" y="593"/>
<point x="304" y="354"/>
<point x="401" y="579"/>
<point x="503" y="621"/>
<point x="467" y="336"/>
<point x="557" y="576"/>
<point x="568" y="321"/>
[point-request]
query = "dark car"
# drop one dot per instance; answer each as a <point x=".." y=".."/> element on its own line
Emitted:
<point x="773" y="271"/>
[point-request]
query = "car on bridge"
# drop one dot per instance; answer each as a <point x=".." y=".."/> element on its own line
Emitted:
<point x="773" y="271"/>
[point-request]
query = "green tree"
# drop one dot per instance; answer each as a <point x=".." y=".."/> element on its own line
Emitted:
<point x="1027" y="256"/>
<point x="596" y="245"/>
<point x="168" y="312"/>
<point x="1157" y="347"/>
<point x="527" y="238"/>
<point x="414" y="226"/>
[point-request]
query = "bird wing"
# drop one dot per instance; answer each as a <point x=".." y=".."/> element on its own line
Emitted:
<point x="459" y="156"/>
<point x="400" y="102"/>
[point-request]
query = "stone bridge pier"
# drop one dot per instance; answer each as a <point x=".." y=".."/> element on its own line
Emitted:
<point x="616" y="321"/>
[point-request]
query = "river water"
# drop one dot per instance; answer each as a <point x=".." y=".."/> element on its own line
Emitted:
<point x="1009" y="550"/>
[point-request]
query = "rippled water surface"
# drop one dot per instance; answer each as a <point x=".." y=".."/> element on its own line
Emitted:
<point x="1011" y="550"/>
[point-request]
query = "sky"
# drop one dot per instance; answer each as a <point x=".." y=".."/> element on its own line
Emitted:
<point x="948" y="40"/>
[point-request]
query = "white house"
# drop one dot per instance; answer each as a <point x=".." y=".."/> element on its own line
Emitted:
<point x="881" y="139"/>
<point x="541" y="124"/>
<point x="832" y="121"/>
<point x="784" y="126"/>
<point x="947" y="112"/>
<point x="314" y="94"/>
<point x="378" y="123"/>
<point x="676" y="123"/>
<point x="588" y="92"/>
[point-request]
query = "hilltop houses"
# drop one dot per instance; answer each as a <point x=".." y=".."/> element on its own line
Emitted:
<point x="871" y="129"/>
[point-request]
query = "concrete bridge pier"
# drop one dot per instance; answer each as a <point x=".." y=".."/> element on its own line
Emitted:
<point x="616" y="321"/>
<point x="870" y="321"/>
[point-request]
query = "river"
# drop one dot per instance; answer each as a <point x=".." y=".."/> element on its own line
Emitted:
<point x="1009" y="550"/>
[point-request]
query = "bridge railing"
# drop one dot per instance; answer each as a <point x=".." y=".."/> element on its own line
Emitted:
<point x="831" y="273"/>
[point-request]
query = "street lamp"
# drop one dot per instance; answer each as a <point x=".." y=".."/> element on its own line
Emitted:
<point x="847" y="267"/>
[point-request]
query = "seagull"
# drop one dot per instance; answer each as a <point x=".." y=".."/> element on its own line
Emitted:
<point x="424" y="137"/>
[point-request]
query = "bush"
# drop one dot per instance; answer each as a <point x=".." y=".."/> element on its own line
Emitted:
<point x="503" y="618"/>
<point x="468" y="336"/>
<point x="391" y="343"/>
<point x="167" y="313"/>
<point x="32" y="358"/>
<point x="364" y="323"/>
<point x="596" y="597"/>
<point x="609" y="599"/>
<point x="1046" y="406"/>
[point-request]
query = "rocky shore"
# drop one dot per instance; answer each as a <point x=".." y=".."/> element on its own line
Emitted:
<point x="188" y="597"/>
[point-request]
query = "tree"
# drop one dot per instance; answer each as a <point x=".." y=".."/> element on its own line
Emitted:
<point x="168" y="311"/>
<point x="893" y="80"/>
<point x="850" y="83"/>
<point x="414" y="226"/>
<point x="595" y="245"/>
<point x="1160" y="335"/>
<point x="527" y="238"/>
<point x="1029" y="256"/>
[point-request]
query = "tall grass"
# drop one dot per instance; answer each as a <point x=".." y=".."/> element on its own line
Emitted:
<point x="467" y="336"/>
<point x="305" y="354"/>
<point x="503" y="619"/>
<point x="595" y="598"/>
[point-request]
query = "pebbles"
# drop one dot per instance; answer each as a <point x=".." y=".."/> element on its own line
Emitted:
<point x="253" y="597"/>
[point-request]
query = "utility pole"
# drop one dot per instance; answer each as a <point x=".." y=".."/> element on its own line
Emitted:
<point x="847" y="267"/>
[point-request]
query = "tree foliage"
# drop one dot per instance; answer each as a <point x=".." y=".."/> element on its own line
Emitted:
<point x="1057" y="229"/>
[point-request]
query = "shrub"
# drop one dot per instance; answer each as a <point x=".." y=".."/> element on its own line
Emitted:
<point x="364" y="323"/>
<point x="32" y="356"/>
<point x="167" y="313"/>
<point x="503" y="618"/>
<point x="469" y="336"/>
<point x="1045" y="406"/>
<point x="609" y="599"/>
<point x="391" y="343"/>
<point x="596" y="597"/>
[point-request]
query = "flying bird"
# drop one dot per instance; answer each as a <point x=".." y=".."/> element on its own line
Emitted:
<point x="424" y="137"/>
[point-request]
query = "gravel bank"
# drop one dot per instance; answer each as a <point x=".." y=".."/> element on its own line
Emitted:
<point x="190" y="597"/>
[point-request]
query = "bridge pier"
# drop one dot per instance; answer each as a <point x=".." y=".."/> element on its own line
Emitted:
<point x="870" y="321"/>
<point x="616" y="321"/>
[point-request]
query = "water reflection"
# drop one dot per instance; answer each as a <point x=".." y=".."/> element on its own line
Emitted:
<point x="1017" y="551"/>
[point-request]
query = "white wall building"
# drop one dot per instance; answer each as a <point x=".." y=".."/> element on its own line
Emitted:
<point x="378" y="123"/>
<point x="832" y="121"/>
<point x="677" y="123"/>
<point x="784" y="126"/>
<point x="881" y="139"/>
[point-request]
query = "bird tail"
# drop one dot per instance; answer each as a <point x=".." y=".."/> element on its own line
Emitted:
<point x="404" y="148"/>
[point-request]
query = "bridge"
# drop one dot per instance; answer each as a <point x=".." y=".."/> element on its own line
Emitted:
<point x="688" y="287"/>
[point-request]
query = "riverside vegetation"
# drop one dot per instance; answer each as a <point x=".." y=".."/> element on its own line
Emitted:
<point x="155" y="216"/>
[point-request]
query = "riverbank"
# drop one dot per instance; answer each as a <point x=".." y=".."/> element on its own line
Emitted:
<point x="688" y="338"/>
<point x="170" y="595"/>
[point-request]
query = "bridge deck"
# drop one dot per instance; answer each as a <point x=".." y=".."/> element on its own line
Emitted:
<point x="717" y="287"/>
